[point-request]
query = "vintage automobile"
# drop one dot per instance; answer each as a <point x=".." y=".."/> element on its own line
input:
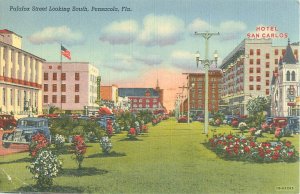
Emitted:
<point x="293" y="124"/>
<point x="7" y="121"/>
<point x="278" y="122"/>
<point x="26" y="128"/>
<point x="183" y="119"/>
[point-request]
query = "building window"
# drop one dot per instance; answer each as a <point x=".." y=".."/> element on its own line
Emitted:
<point x="45" y="87"/>
<point x="258" y="70"/>
<point x="63" y="76"/>
<point x="45" y="98"/>
<point x="267" y="91"/>
<point x="135" y="100"/>
<point x="257" y="51"/>
<point x="257" y="61"/>
<point x="134" y="105"/>
<point x="267" y="74"/>
<point x="59" y="67"/>
<point x="250" y="87"/>
<point x="54" y="99"/>
<point x="50" y="67"/>
<point x="54" y="88"/>
<point x="76" y="98"/>
<point x="45" y="76"/>
<point x="276" y="51"/>
<point x="276" y="61"/>
<point x="63" y="87"/>
<point x="77" y="77"/>
<point x="251" y="78"/>
<point x="140" y="100"/>
<point x="267" y="82"/>
<point x="251" y="61"/>
<point x="251" y="51"/>
<point x="140" y="106"/>
<point x="288" y="76"/>
<point x="258" y="78"/>
<point x="251" y="70"/>
<point x="54" y="76"/>
<point x="63" y="99"/>
<point x="283" y="52"/>
<point x="267" y="64"/>
<point x="76" y="87"/>
<point x="258" y="87"/>
<point x="293" y="76"/>
<point x="267" y="55"/>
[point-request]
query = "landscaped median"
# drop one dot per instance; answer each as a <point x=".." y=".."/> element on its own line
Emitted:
<point x="241" y="148"/>
<point x="171" y="158"/>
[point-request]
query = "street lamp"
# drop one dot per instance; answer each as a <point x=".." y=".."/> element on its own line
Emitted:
<point x="206" y="62"/>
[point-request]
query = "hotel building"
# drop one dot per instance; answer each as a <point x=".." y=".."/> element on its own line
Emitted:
<point x="70" y="86"/>
<point x="20" y="77"/>
<point x="248" y="70"/>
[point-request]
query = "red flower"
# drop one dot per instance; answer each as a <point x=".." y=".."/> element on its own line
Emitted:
<point x="288" y="144"/>
<point x="268" y="151"/>
<point x="229" y="136"/>
<point x="261" y="154"/>
<point x="132" y="131"/>
<point x="252" y="144"/>
<point x="246" y="149"/>
<point x="278" y="147"/>
<point x="275" y="156"/>
<point x="290" y="154"/>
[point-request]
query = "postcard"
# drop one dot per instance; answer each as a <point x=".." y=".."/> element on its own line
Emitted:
<point x="136" y="96"/>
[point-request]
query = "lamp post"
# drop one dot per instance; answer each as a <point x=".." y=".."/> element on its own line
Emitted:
<point x="206" y="62"/>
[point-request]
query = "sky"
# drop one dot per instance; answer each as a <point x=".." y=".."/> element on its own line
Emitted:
<point x="147" y="40"/>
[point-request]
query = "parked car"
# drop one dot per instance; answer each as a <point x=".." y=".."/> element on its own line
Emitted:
<point x="7" y="121"/>
<point x="293" y="124"/>
<point x="183" y="119"/>
<point x="26" y="128"/>
<point x="278" y="122"/>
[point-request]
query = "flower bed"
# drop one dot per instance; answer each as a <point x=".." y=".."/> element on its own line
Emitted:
<point x="234" y="147"/>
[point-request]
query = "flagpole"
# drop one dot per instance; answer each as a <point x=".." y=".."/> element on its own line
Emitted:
<point x="60" y="77"/>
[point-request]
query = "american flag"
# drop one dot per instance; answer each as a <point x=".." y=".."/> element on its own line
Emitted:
<point x="65" y="52"/>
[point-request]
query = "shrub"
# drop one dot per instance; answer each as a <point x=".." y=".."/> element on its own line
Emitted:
<point x="44" y="168"/>
<point x="38" y="142"/>
<point x="105" y="144"/>
<point x="59" y="143"/>
<point x="79" y="149"/>
<point x="242" y="126"/>
<point x="131" y="133"/>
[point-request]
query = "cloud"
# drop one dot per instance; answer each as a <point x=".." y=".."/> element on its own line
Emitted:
<point x="150" y="59"/>
<point x="232" y="26"/>
<point x="161" y="30"/>
<point x="182" y="59"/>
<point x="60" y="34"/>
<point x="199" y="25"/>
<point x="123" y="32"/>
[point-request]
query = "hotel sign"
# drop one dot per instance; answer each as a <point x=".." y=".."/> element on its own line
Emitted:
<point x="267" y="32"/>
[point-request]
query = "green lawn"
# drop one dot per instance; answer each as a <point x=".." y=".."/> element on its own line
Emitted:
<point x="171" y="158"/>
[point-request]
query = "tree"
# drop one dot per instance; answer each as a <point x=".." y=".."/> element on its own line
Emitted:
<point x="256" y="108"/>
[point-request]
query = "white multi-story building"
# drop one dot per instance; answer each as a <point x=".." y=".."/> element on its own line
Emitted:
<point x="248" y="70"/>
<point x="20" y="76"/>
<point x="285" y="88"/>
<point x="70" y="86"/>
